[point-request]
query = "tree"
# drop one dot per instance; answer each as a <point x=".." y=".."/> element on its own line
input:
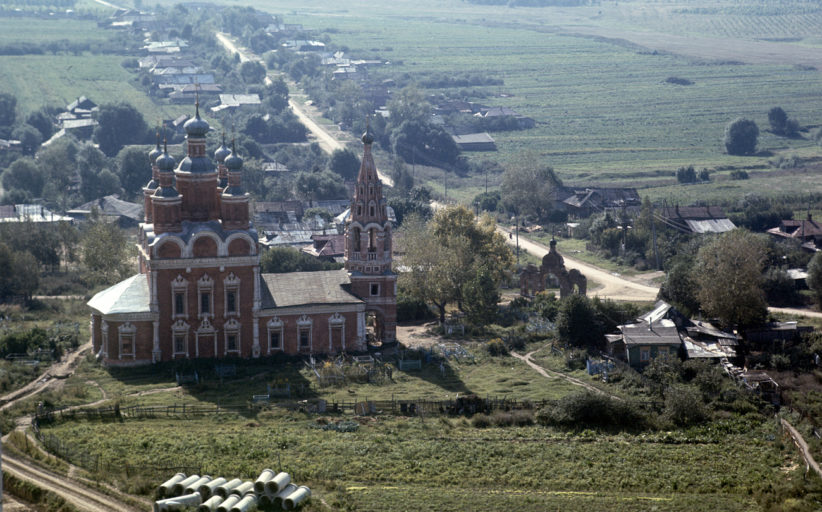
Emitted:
<point x="288" y="259"/>
<point x="345" y="163"/>
<point x="30" y="139"/>
<point x="815" y="276"/>
<point x="578" y="323"/>
<point x="252" y="72"/>
<point x="408" y="104"/>
<point x="24" y="174"/>
<point x="8" y="109"/>
<point x="104" y="250"/>
<point x="319" y="185"/>
<point x="134" y="169"/>
<point x="729" y="278"/>
<point x="480" y="297"/>
<point x="425" y="143"/>
<point x="119" y="124"/>
<point x="778" y="120"/>
<point x="527" y="187"/>
<point x="680" y="287"/>
<point x="41" y="120"/>
<point x="741" y="137"/>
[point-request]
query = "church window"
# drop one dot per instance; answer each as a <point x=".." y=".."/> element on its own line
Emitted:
<point x="372" y="210"/>
<point x="359" y="209"/>
<point x="305" y="337"/>
<point x="127" y="331"/>
<point x="179" y="344"/>
<point x="232" y="336"/>
<point x="205" y="289"/>
<point x="275" y="334"/>
<point x="230" y="301"/>
<point x="375" y="288"/>
<point x="356" y="239"/>
<point x="372" y="239"/>
<point x="231" y="285"/>
<point x="304" y="325"/>
<point x="205" y="303"/>
<point x="179" y="303"/>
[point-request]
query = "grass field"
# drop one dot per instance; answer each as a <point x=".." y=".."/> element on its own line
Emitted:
<point x="43" y="30"/>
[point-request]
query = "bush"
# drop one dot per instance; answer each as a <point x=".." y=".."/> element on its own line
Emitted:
<point x="739" y="174"/>
<point x="481" y="421"/>
<point x="496" y="347"/>
<point x="741" y="136"/>
<point x="587" y="409"/>
<point x="684" y="406"/>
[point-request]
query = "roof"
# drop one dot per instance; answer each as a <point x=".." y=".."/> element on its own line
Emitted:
<point x="698" y="219"/>
<point x="656" y="334"/>
<point x="707" y="350"/>
<point x="805" y="228"/>
<point x="129" y="296"/>
<point x="73" y="124"/>
<point x="31" y="213"/>
<point x="306" y="288"/>
<point x="81" y="102"/>
<point x="474" y="138"/>
<point x="112" y="205"/>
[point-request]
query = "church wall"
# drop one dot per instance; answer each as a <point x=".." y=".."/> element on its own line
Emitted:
<point x="322" y="322"/>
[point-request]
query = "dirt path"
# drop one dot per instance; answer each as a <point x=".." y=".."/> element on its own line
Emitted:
<point x="59" y="370"/>
<point x="802" y="445"/>
<point x="79" y="495"/>
<point x="611" y="286"/>
<point x="550" y="374"/>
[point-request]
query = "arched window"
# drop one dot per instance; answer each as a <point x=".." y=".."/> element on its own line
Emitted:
<point x="372" y="239"/>
<point x="356" y="239"/>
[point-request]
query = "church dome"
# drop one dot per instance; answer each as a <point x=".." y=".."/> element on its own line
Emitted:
<point x="155" y="153"/>
<point x="367" y="137"/>
<point x="233" y="161"/>
<point x="165" y="162"/>
<point x="196" y="126"/>
<point x="221" y="153"/>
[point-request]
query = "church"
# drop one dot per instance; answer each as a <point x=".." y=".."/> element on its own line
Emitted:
<point x="199" y="292"/>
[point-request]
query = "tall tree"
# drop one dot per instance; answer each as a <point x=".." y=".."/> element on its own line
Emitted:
<point x="729" y="277"/>
<point x="104" y="250"/>
<point x="119" y="124"/>
<point x="8" y="109"/>
<point x="345" y="163"/>
<point x="815" y="276"/>
<point x="741" y="136"/>
<point x="134" y="169"/>
<point x="528" y="186"/>
<point x="24" y="174"/>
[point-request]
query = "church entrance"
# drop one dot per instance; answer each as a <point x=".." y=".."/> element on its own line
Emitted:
<point x="373" y="328"/>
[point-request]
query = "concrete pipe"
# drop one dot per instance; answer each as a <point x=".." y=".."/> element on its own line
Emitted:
<point x="282" y="495"/>
<point x="167" y="486"/>
<point x="278" y="483"/>
<point x="243" y="489"/>
<point x="178" y="503"/>
<point x="224" y="490"/>
<point x="195" y="487"/>
<point x="247" y="503"/>
<point x="259" y="483"/>
<point x="266" y="500"/>
<point x="228" y="503"/>
<point x="295" y="498"/>
<point x="210" y="505"/>
<point x="207" y="489"/>
<point x="182" y="484"/>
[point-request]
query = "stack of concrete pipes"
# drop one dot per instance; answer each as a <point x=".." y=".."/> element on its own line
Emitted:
<point x="220" y="495"/>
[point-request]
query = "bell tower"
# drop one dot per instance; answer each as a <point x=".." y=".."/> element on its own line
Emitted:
<point x="368" y="247"/>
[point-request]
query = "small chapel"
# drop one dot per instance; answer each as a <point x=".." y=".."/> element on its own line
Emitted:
<point x="199" y="292"/>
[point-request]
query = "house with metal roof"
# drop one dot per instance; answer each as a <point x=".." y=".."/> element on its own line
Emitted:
<point x="696" y="219"/>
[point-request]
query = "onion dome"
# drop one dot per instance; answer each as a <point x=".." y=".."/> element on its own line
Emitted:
<point x="233" y="162"/>
<point x="196" y="127"/>
<point x="156" y="152"/>
<point x="221" y="153"/>
<point x="367" y="137"/>
<point x="165" y="162"/>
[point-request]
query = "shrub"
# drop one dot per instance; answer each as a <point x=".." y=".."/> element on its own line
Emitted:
<point x="496" y="347"/>
<point x="684" y="406"/>
<point x="481" y="421"/>
<point x="587" y="409"/>
<point x="739" y="174"/>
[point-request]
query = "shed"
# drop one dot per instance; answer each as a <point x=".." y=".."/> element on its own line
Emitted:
<point x="475" y="142"/>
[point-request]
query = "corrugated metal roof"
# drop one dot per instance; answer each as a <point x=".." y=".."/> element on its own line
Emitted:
<point x="129" y="296"/>
<point x="306" y="288"/>
<point x="710" y="225"/>
<point x="642" y="334"/>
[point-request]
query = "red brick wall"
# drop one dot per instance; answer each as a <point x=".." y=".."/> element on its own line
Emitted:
<point x="319" y="333"/>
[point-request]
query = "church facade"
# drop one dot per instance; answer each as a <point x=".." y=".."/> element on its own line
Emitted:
<point x="199" y="292"/>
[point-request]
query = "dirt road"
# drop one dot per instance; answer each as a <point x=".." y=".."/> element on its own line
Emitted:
<point x="800" y="443"/>
<point x="550" y="374"/>
<point x="611" y="286"/>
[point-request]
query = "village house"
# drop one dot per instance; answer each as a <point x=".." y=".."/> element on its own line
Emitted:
<point x="696" y="219"/>
<point x="807" y="231"/>
<point x="199" y="292"/>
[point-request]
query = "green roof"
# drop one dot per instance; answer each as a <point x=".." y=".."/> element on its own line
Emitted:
<point x="129" y="296"/>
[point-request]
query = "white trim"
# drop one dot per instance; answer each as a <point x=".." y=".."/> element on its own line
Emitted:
<point x="126" y="330"/>
<point x="336" y="321"/>
<point x="305" y="322"/>
<point x="231" y="283"/>
<point x="206" y="330"/>
<point x="205" y="285"/>
<point x="162" y="240"/>
<point x="183" y="263"/>
<point x="146" y="316"/>
<point x="232" y="328"/>
<point x="189" y="250"/>
<point x="179" y="285"/>
<point x="104" y="344"/>
<point x="245" y="236"/>
<point x="272" y="326"/>
<point x="179" y="328"/>
<point x="329" y="309"/>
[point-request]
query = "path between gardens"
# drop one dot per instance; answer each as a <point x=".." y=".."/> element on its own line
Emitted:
<point x="800" y="443"/>
<point x="552" y="374"/>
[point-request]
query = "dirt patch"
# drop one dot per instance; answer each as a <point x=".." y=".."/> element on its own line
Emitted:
<point x="418" y="336"/>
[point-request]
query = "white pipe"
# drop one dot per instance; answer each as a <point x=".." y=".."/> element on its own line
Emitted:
<point x="278" y="483"/>
<point x="265" y="476"/>
<point x="228" y="503"/>
<point x="278" y="499"/>
<point x="266" y="500"/>
<point x="181" y="485"/>
<point x="168" y="485"/>
<point x="210" y="505"/>
<point x="225" y="489"/>
<point x="207" y="489"/>
<point x="243" y="489"/>
<point x="245" y="504"/>
<point x="195" y="487"/>
<point x="294" y="499"/>
<point x="178" y="503"/>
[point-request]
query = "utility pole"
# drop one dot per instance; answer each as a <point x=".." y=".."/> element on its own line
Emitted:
<point x="653" y="231"/>
<point x="517" y="230"/>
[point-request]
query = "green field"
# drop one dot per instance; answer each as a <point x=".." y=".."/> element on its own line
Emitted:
<point x="43" y="30"/>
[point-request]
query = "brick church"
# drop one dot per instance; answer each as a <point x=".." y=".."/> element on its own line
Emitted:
<point x="199" y="292"/>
